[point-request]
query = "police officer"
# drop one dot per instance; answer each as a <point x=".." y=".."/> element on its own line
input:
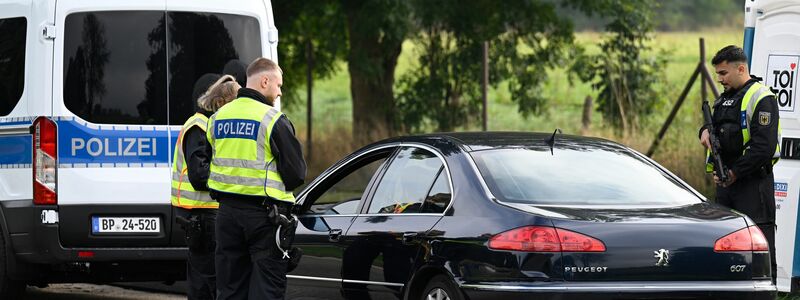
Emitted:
<point x="256" y="163"/>
<point x="747" y="124"/>
<point x="194" y="208"/>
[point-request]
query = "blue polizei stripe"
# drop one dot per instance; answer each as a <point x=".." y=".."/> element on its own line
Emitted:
<point x="78" y="143"/>
<point x="749" y="35"/>
<point x="16" y="150"/>
<point x="15" y="123"/>
<point x="236" y="128"/>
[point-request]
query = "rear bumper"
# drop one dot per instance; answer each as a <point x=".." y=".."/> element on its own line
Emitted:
<point x="747" y="290"/>
<point x="33" y="241"/>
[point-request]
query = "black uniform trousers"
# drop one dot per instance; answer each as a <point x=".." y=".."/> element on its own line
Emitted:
<point x="200" y="273"/>
<point x="755" y="197"/>
<point x="249" y="266"/>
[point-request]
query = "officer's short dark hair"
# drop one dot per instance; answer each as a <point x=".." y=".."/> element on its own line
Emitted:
<point x="730" y="54"/>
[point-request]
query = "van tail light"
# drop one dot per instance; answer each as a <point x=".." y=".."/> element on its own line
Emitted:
<point x="745" y="239"/>
<point x="45" y="158"/>
<point x="545" y="239"/>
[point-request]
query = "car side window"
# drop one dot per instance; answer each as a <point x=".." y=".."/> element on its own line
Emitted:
<point x="406" y="183"/>
<point x="343" y="195"/>
<point x="439" y="196"/>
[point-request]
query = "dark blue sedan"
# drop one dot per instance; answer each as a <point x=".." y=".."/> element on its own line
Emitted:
<point x="518" y="216"/>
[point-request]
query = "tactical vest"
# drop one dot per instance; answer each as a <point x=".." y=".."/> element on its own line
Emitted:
<point x="183" y="194"/>
<point x="242" y="161"/>
<point x="754" y="94"/>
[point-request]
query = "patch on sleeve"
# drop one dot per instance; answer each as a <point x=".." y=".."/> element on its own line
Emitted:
<point x="764" y="118"/>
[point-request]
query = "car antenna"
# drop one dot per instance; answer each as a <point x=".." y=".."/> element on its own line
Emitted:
<point x="552" y="140"/>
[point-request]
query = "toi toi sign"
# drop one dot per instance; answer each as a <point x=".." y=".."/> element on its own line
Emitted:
<point x="782" y="79"/>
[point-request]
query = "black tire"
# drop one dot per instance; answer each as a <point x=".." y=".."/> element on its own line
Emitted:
<point x="440" y="287"/>
<point x="9" y="289"/>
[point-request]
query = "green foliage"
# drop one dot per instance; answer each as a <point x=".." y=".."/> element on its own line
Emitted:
<point x="300" y="23"/>
<point x="525" y="37"/>
<point x="376" y="30"/>
<point x="622" y="73"/>
<point x="691" y="15"/>
<point x="675" y="15"/>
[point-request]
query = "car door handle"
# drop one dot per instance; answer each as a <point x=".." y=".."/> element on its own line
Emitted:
<point x="410" y="237"/>
<point x="334" y="234"/>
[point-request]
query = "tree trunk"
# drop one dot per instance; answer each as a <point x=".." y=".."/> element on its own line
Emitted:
<point x="586" y="120"/>
<point x="375" y="45"/>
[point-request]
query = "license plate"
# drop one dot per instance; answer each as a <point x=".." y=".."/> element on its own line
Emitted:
<point x="126" y="224"/>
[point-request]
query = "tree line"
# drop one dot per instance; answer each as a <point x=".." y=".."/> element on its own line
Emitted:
<point x="441" y="91"/>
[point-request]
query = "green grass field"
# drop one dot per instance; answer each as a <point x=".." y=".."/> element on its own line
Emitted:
<point x="679" y="151"/>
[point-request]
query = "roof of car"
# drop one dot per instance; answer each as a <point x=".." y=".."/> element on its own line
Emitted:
<point x="474" y="141"/>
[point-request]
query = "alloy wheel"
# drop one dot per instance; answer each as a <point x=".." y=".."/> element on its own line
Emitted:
<point x="437" y="294"/>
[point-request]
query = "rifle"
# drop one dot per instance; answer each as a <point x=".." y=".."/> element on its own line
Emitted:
<point x="719" y="167"/>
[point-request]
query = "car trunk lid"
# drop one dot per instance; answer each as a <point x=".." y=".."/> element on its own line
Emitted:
<point x="657" y="243"/>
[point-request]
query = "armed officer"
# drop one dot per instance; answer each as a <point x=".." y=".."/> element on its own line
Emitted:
<point x="256" y="162"/>
<point x="747" y="124"/>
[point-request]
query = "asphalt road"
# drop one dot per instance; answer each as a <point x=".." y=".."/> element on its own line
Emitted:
<point x="82" y="291"/>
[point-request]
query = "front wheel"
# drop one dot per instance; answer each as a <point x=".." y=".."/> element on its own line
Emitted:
<point x="441" y="288"/>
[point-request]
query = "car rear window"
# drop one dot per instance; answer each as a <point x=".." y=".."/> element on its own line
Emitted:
<point x="125" y="67"/>
<point x="578" y="176"/>
<point x="12" y="62"/>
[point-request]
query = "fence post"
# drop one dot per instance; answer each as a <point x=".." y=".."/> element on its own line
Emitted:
<point x="309" y="88"/>
<point x="485" y="84"/>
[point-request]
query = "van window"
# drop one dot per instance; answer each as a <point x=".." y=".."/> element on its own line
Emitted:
<point x="203" y="43"/>
<point x="12" y="62"/>
<point x="115" y="63"/>
<point x="115" y="67"/>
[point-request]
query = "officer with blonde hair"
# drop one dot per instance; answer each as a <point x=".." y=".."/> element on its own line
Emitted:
<point x="195" y="210"/>
<point x="256" y="163"/>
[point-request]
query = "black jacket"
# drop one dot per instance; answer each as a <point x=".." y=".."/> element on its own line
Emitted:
<point x="728" y="120"/>
<point x="197" y="160"/>
<point x="284" y="146"/>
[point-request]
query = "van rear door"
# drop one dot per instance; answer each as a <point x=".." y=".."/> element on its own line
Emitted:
<point x="114" y="141"/>
<point x="127" y="76"/>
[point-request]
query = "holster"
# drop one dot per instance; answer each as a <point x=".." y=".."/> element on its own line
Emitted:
<point x="286" y="224"/>
<point x="193" y="226"/>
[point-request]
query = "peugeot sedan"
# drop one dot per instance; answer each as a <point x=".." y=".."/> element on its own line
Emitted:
<point x="504" y="215"/>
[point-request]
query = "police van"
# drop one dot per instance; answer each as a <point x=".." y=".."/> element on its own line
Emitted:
<point x="772" y="42"/>
<point x="92" y="96"/>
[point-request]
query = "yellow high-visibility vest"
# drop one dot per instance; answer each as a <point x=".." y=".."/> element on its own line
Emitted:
<point x="242" y="161"/>
<point x="183" y="193"/>
<point x="754" y="94"/>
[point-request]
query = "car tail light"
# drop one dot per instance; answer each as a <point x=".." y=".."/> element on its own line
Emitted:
<point x="44" y="161"/>
<point x="545" y="239"/>
<point x="85" y="254"/>
<point x="745" y="239"/>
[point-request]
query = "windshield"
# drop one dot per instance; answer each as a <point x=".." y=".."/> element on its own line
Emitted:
<point x="578" y="177"/>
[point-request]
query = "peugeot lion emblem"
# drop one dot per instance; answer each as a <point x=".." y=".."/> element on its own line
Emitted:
<point x="663" y="257"/>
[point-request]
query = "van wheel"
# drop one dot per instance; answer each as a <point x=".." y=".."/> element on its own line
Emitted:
<point x="441" y="288"/>
<point x="9" y="289"/>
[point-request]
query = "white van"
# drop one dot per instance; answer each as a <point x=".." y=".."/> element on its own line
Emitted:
<point x="772" y="41"/>
<point x="92" y="96"/>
